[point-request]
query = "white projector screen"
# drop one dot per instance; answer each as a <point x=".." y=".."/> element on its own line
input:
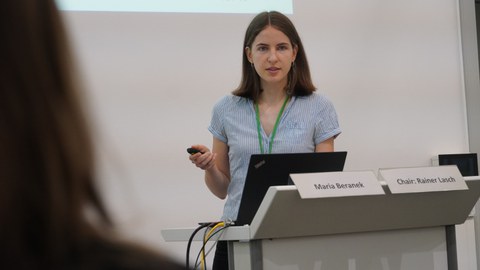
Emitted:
<point x="187" y="6"/>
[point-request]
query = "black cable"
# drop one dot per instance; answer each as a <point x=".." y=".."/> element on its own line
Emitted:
<point x="204" y="242"/>
<point x="208" y="239"/>
<point x="191" y="239"/>
<point x="202" y="250"/>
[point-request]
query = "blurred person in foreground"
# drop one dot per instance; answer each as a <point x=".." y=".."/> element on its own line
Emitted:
<point x="51" y="215"/>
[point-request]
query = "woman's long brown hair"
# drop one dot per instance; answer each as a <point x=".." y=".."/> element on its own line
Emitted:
<point x="299" y="79"/>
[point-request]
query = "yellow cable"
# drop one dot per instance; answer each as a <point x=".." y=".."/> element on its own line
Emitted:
<point x="219" y="224"/>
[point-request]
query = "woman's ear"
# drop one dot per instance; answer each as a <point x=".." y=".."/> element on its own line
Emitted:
<point x="248" y="53"/>
<point x="295" y="50"/>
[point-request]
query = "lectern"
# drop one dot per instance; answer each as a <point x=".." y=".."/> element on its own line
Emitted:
<point x="390" y="231"/>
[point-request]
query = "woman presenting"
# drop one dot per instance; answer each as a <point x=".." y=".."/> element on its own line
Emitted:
<point x="275" y="109"/>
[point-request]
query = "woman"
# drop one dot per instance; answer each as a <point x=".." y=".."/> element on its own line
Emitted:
<point x="274" y="110"/>
<point x="52" y="216"/>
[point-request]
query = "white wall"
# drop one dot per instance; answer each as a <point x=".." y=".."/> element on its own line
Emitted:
<point x="392" y="68"/>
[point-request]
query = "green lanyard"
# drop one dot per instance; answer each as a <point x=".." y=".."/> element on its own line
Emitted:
<point x="257" y="113"/>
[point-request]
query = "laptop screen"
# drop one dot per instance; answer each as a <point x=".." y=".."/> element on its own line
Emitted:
<point x="265" y="170"/>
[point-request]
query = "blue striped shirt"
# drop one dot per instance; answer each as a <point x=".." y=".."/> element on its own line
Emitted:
<point x="306" y="122"/>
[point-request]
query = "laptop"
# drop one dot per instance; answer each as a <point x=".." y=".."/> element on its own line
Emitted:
<point x="265" y="170"/>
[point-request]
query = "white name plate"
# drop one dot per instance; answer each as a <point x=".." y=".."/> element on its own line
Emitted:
<point x="336" y="184"/>
<point x="423" y="179"/>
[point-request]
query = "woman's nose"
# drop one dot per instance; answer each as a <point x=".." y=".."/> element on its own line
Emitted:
<point x="272" y="56"/>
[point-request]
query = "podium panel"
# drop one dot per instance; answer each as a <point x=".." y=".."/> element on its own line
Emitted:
<point x="424" y="248"/>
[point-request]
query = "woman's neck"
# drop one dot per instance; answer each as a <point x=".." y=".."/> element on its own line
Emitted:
<point x="272" y="96"/>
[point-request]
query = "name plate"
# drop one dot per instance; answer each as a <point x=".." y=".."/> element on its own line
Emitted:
<point x="423" y="179"/>
<point x="336" y="184"/>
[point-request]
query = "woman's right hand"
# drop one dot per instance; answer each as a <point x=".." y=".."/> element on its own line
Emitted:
<point x="203" y="159"/>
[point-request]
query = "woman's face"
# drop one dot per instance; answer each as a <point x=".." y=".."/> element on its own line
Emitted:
<point x="272" y="55"/>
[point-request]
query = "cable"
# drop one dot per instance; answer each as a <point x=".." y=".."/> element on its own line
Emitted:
<point x="202" y="251"/>
<point x="215" y="227"/>
<point x="205" y="240"/>
<point x="210" y="249"/>
<point x="209" y="236"/>
<point x="189" y="244"/>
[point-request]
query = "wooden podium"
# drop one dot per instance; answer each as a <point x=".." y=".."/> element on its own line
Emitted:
<point x="393" y="231"/>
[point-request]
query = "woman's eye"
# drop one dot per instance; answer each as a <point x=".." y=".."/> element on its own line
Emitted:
<point x="262" y="48"/>
<point x="282" y="48"/>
